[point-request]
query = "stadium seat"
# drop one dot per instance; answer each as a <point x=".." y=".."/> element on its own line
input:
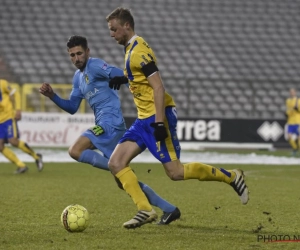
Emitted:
<point x="237" y="50"/>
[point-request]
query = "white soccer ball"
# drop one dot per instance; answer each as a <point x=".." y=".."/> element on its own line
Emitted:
<point x="75" y="218"/>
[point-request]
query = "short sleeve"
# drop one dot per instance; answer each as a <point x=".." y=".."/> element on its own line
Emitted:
<point x="140" y="59"/>
<point x="100" y="69"/>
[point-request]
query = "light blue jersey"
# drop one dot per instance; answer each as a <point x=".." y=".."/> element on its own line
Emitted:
<point x="92" y="84"/>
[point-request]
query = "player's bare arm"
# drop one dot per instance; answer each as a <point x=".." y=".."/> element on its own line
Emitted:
<point x="18" y="115"/>
<point x="160" y="131"/>
<point x="15" y="97"/>
<point x="159" y="96"/>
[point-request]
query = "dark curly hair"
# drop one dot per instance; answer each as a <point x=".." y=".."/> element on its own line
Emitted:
<point x="77" y="41"/>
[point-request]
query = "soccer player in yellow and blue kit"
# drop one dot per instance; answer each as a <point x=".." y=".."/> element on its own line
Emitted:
<point x="155" y="127"/>
<point x="10" y="113"/>
<point x="91" y="82"/>
<point x="293" y="121"/>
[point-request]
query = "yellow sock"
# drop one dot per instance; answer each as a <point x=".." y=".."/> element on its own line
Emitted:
<point x="10" y="155"/>
<point x="25" y="148"/>
<point x="203" y="172"/>
<point x="293" y="144"/>
<point x="131" y="186"/>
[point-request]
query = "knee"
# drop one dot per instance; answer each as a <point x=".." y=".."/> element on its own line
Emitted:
<point x="174" y="176"/>
<point x="115" y="165"/>
<point x="112" y="165"/>
<point x="74" y="153"/>
<point x="175" y="173"/>
<point x="14" y="142"/>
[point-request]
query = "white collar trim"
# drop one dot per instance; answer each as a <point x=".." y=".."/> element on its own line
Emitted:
<point x="131" y="39"/>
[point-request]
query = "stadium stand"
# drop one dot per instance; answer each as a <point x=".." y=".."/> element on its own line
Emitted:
<point x="219" y="58"/>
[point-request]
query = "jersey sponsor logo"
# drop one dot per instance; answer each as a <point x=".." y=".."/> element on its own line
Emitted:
<point x="199" y="130"/>
<point x="132" y="88"/>
<point x="91" y="93"/>
<point x="270" y="131"/>
<point x="137" y="95"/>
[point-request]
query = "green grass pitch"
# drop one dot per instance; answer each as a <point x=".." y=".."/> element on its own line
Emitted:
<point x="212" y="215"/>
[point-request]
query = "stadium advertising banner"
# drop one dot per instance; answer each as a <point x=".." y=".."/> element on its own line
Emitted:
<point x="229" y="130"/>
<point x="61" y="129"/>
<point x="53" y="129"/>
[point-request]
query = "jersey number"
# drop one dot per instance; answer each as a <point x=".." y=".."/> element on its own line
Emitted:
<point x="97" y="130"/>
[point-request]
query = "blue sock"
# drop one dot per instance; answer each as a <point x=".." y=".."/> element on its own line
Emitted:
<point x="156" y="200"/>
<point x="93" y="158"/>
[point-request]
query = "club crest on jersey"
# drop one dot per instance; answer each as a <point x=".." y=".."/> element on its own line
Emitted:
<point x="86" y="79"/>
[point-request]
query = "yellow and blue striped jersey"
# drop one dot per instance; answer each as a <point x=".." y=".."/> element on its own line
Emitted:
<point x="137" y="54"/>
<point x="6" y="107"/>
<point x="293" y="115"/>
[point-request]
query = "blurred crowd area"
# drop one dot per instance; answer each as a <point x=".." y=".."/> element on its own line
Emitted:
<point x="218" y="58"/>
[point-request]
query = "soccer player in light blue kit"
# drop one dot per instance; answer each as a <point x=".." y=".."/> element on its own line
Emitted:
<point x="90" y="82"/>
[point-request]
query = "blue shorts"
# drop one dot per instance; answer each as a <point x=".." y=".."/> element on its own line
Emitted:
<point x="142" y="133"/>
<point x="104" y="137"/>
<point x="9" y="129"/>
<point x="293" y="129"/>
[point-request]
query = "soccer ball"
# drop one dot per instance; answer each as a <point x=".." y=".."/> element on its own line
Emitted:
<point x="75" y="218"/>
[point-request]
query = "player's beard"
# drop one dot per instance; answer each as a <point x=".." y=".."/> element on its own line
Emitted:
<point x="123" y="41"/>
<point x="80" y="65"/>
